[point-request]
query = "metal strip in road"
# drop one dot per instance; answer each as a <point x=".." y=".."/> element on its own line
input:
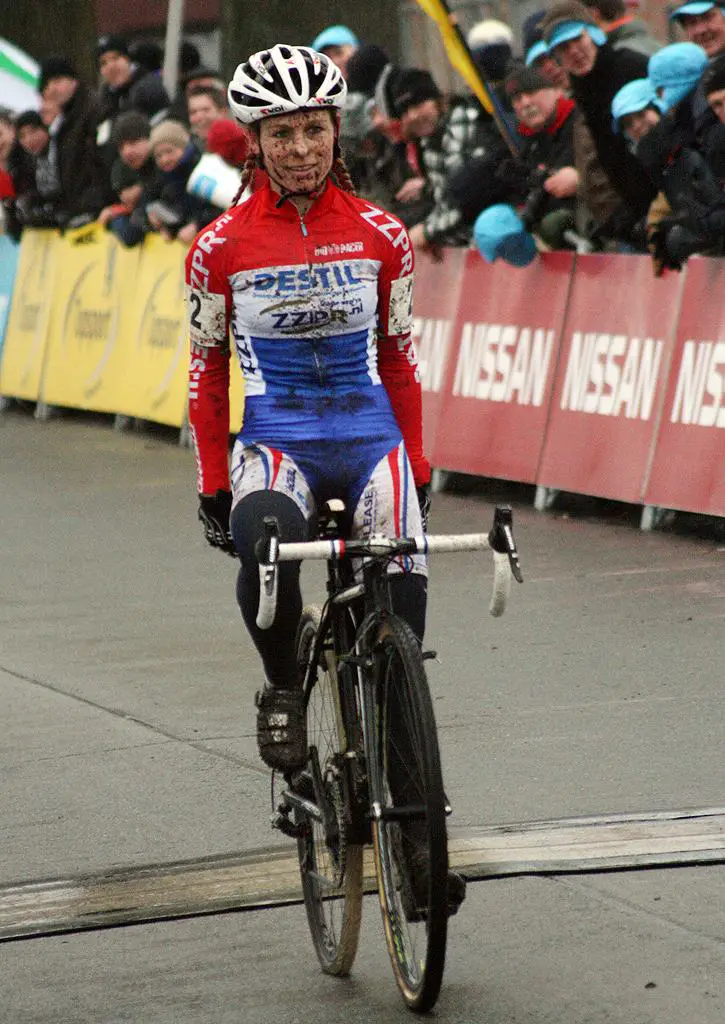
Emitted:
<point x="270" y="877"/>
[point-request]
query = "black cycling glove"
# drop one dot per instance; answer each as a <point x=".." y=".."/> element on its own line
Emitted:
<point x="214" y="512"/>
<point x="424" y="500"/>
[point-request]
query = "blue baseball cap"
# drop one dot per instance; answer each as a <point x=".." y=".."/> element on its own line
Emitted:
<point x="676" y="70"/>
<point x="335" y="35"/>
<point x="693" y="8"/>
<point x="633" y="97"/>
<point x="567" y="30"/>
<point x="537" y="51"/>
<point x="499" y="233"/>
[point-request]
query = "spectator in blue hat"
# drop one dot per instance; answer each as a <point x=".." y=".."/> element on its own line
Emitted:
<point x="499" y="233"/>
<point x="636" y="109"/>
<point x="704" y="24"/>
<point x="598" y="72"/>
<point x="678" y="160"/>
<point x="537" y="56"/>
<point x="339" y="43"/>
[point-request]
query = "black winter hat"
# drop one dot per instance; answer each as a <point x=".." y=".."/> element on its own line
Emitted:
<point x="199" y="72"/>
<point x="111" y="44"/>
<point x="410" y="87"/>
<point x="365" y="67"/>
<point x="189" y="57"/>
<point x="146" y="54"/>
<point x="29" y="119"/>
<point x="54" y="67"/>
<point x="713" y="78"/>
<point x="129" y="126"/>
<point x="525" y="79"/>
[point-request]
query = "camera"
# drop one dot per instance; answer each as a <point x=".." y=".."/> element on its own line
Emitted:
<point x="537" y="199"/>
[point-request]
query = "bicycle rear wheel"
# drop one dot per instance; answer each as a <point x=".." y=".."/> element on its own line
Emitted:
<point x="409" y="832"/>
<point x="331" y="867"/>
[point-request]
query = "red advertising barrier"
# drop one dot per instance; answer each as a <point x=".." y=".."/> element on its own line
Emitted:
<point x="437" y="292"/>
<point x="499" y="380"/>
<point x="611" y="377"/>
<point x="688" y="470"/>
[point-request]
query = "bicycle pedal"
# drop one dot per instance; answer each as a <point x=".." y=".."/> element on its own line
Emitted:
<point x="355" y="659"/>
<point x="430" y="655"/>
<point x="280" y="821"/>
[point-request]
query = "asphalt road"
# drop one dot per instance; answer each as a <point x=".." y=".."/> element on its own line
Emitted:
<point x="126" y="687"/>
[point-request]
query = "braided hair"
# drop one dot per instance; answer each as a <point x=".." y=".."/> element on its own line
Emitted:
<point x="250" y="166"/>
<point x="342" y="175"/>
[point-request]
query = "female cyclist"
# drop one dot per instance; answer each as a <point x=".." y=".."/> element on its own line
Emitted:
<point x="314" y="285"/>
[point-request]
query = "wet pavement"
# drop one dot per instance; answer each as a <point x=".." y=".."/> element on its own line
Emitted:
<point x="126" y="685"/>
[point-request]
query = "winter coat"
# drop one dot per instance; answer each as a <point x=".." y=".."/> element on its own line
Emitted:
<point x="83" y="181"/>
<point x="466" y="133"/>
<point x="690" y="183"/>
<point x="506" y="179"/>
<point x="389" y="169"/>
<point x="633" y="34"/>
<point x="144" y="91"/>
<point x="600" y="201"/>
<point x="594" y="94"/>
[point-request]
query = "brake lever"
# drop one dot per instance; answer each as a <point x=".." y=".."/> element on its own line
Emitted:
<point x="502" y="540"/>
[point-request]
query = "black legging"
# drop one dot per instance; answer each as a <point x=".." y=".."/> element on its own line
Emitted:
<point x="276" y="645"/>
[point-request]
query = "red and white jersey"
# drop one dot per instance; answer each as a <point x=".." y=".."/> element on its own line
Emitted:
<point x="318" y="309"/>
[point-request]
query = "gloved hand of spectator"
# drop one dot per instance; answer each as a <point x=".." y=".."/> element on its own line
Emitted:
<point x="214" y="513"/>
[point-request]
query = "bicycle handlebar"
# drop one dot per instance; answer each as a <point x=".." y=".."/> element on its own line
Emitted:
<point x="499" y="540"/>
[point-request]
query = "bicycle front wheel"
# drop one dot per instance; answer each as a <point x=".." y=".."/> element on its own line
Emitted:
<point x="331" y="867"/>
<point x="409" y="823"/>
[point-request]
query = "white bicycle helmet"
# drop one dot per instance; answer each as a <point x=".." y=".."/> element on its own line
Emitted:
<point x="284" y="79"/>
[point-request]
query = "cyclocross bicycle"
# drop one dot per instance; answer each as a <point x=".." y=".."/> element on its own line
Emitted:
<point x="373" y="773"/>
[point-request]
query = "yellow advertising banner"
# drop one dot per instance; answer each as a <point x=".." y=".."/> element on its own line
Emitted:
<point x="26" y="336"/>
<point x="90" y="320"/>
<point x="156" y="347"/>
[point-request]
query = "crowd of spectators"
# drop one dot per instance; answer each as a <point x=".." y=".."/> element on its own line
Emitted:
<point x="613" y="141"/>
<point x="123" y="152"/>
<point x="616" y="142"/>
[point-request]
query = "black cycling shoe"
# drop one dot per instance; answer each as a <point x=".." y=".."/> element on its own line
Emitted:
<point x="281" y="728"/>
<point x="414" y="890"/>
<point x="301" y="784"/>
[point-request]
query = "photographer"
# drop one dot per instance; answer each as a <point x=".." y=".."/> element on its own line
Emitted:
<point x="542" y="181"/>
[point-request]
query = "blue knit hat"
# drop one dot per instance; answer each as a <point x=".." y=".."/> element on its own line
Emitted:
<point x="499" y="233"/>
<point x="676" y="70"/>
